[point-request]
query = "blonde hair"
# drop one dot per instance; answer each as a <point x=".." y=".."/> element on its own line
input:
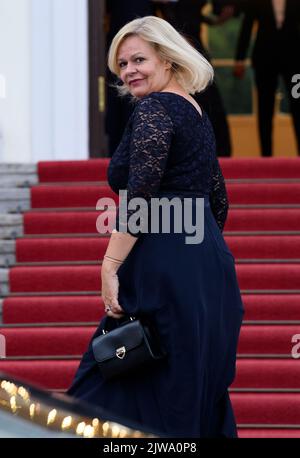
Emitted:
<point x="190" y="68"/>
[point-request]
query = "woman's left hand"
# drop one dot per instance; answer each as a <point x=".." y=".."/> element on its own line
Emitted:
<point x="110" y="289"/>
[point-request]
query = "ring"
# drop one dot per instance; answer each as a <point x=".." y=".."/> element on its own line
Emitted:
<point x="108" y="308"/>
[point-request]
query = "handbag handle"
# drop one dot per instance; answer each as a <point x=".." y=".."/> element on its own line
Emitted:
<point x="132" y="318"/>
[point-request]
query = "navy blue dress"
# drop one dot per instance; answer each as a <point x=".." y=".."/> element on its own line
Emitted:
<point x="189" y="291"/>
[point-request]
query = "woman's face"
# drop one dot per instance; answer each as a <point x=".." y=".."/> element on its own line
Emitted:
<point x="140" y="67"/>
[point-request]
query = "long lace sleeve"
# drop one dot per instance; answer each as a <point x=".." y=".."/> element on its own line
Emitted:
<point x="218" y="195"/>
<point x="152" y="131"/>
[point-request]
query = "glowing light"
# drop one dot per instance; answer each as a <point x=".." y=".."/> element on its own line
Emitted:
<point x="80" y="428"/>
<point x="32" y="408"/>
<point x="66" y="423"/>
<point x="89" y="431"/>
<point x="105" y="428"/>
<point x="13" y="403"/>
<point x="51" y="416"/>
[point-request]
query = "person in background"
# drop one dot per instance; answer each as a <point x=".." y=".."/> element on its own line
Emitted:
<point x="119" y="109"/>
<point x="275" y="54"/>
<point x="187" y="17"/>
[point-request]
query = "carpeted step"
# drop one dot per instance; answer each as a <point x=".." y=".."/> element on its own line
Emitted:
<point x="251" y="374"/>
<point x="72" y="171"/>
<point x="267" y="219"/>
<point x="268" y="339"/>
<point x="55" y="279"/>
<point x="60" y="340"/>
<point x="56" y="309"/>
<point x="93" y="249"/>
<point x="52" y="309"/>
<point x="44" y="196"/>
<point x="257" y="168"/>
<point x="262" y="433"/>
<point x="266" y="408"/>
<point x="265" y="247"/>
<point x="268" y="276"/>
<point x="75" y="196"/>
<point x="96" y="169"/>
<point x="61" y="249"/>
<point x="88" y="278"/>
<point x="48" y="374"/>
<point x="47" y="341"/>
<point x="275" y="307"/>
<point x="267" y="374"/>
<point x="85" y="222"/>
<point x="60" y="222"/>
<point x="260" y="193"/>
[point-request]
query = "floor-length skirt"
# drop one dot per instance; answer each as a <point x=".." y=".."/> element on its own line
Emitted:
<point x="191" y="294"/>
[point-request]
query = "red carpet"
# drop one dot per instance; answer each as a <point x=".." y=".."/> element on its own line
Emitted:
<point x="57" y="309"/>
<point x="55" y="303"/>
<point x="85" y="222"/>
<point x="87" y="278"/>
<point x="92" y="249"/>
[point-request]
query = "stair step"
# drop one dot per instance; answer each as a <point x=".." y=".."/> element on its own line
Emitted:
<point x="270" y="277"/>
<point x="271" y="306"/>
<point x="270" y="433"/>
<point x="93" y="249"/>
<point x="260" y="167"/>
<point x="260" y="340"/>
<point x="50" y="341"/>
<point x="95" y="169"/>
<point x="265" y="247"/>
<point x="82" y="170"/>
<point x="57" y="374"/>
<point x="18" y="181"/>
<point x="44" y="196"/>
<point x="11" y="226"/>
<point x="85" y="222"/>
<point x="61" y="223"/>
<point x="266" y="408"/>
<point x="256" y="277"/>
<point x="267" y="374"/>
<point x="59" y="249"/>
<point x="4" y="282"/>
<point x="39" y="309"/>
<point x="17" y="169"/>
<point x="7" y="247"/>
<point x="259" y="193"/>
<point x="263" y="220"/>
<point x="52" y="309"/>
<point x="48" y="374"/>
<point x="268" y="340"/>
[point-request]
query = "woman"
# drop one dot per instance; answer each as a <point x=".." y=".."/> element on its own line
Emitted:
<point x="188" y="290"/>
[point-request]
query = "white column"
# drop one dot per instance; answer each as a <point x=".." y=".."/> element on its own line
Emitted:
<point x="59" y="79"/>
<point x="44" y="70"/>
<point x="15" y="131"/>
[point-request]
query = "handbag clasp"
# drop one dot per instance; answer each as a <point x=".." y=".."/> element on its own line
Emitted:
<point x="120" y="352"/>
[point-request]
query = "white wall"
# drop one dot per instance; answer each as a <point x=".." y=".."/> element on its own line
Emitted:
<point x="44" y="44"/>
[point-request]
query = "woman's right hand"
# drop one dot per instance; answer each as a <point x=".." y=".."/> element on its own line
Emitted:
<point x="110" y="289"/>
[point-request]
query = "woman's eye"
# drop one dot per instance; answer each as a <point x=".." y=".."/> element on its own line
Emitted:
<point x="140" y="59"/>
<point x="121" y="64"/>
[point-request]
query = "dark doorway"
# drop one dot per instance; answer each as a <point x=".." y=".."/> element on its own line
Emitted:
<point x="97" y="83"/>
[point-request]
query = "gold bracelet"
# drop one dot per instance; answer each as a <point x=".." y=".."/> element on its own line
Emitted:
<point x="113" y="259"/>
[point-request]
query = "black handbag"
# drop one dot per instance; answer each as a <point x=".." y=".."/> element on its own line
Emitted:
<point x="126" y="348"/>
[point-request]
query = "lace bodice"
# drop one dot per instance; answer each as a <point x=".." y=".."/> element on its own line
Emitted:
<point x="168" y="146"/>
